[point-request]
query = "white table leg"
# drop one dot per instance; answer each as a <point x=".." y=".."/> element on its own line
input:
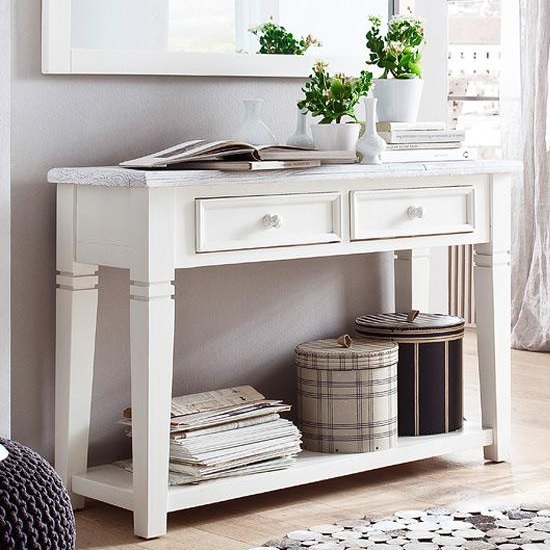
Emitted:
<point x="76" y="320"/>
<point x="492" y="297"/>
<point x="152" y="337"/>
<point x="152" y="311"/>
<point x="412" y="280"/>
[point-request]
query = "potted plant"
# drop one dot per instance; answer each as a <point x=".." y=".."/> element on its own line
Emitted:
<point x="399" y="55"/>
<point x="334" y="98"/>
<point x="275" y="39"/>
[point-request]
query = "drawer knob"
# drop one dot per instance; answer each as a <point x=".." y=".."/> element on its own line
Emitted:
<point x="415" y="212"/>
<point x="272" y="220"/>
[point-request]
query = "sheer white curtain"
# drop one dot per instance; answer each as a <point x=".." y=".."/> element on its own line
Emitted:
<point x="531" y="199"/>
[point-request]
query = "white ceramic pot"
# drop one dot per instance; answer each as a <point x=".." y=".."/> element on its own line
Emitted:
<point x="335" y="137"/>
<point x="398" y="98"/>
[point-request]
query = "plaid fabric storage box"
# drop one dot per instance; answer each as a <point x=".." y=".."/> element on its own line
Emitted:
<point x="430" y="393"/>
<point x="347" y="396"/>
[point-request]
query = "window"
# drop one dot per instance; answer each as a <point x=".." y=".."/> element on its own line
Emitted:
<point x="474" y="73"/>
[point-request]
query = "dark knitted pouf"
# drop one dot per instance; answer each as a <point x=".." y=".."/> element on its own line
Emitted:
<point x="35" y="510"/>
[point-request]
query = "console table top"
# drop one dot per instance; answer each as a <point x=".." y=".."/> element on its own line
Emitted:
<point x="114" y="176"/>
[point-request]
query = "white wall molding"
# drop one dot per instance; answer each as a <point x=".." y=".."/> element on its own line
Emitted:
<point x="5" y="92"/>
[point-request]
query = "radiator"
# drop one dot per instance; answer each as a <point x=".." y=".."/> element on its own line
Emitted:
<point x="460" y="285"/>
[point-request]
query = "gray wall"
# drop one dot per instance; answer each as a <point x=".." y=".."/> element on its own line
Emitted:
<point x="235" y="325"/>
<point x="5" y="27"/>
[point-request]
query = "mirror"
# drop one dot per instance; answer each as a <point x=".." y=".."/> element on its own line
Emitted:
<point x="201" y="37"/>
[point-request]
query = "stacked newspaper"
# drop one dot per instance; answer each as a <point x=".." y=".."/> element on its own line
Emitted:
<point x="229" y="432"/>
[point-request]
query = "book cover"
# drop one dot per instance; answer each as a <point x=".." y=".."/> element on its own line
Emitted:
<point x="428" y="155"/>
<point x="243" y="165"/>
<point x="391" y="126"/>
<point x="423" y="136"/>
<point x="278" y="153"/>
<point x="423" y="145"/>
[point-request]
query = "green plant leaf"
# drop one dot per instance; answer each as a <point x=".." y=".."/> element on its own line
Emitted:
<point x="333" y="97"/>
<point x="399" y="52"/>
<point x="275" y="39"/>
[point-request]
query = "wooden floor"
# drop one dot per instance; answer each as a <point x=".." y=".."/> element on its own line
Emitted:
<point x="463" y="477"/>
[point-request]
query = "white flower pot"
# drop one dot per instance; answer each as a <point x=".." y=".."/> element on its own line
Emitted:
<point x="398" y="99"/>
<point x="335" y="137"/>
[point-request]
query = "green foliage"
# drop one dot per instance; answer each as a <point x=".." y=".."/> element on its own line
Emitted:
<point x="275" y="39"/>
<point x="333" y="97"/>
<point x="399" y="53"/>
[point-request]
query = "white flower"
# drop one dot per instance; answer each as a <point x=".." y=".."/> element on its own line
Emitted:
<point x="395" y="48"/>
<point x="406" y="18"/>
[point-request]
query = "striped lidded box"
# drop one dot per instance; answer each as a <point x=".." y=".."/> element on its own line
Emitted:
<point x="347" y="396"/>
<point x="429" y="370"/>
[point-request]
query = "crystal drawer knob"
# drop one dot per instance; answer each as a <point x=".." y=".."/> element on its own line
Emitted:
<point x="415" y="212"/>
<point x="273" y="220"/>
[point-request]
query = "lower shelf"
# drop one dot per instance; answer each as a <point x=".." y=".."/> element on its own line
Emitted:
<point x="113" y="485"/>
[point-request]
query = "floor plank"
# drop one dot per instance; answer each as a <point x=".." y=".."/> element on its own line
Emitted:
<point x="458" y="478"/>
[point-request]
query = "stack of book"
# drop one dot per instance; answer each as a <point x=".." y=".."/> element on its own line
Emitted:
<point x="229" y="432"/>
<point x="422" y="142"/>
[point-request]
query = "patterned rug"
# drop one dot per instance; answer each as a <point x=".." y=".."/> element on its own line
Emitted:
<point x="499" y="527"/>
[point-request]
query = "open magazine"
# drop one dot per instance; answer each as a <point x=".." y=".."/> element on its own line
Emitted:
<point x="200" y="150"/>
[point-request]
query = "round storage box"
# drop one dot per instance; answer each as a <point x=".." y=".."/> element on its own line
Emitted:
<point x="429" y="371"/>
<point x="347" y="396"/>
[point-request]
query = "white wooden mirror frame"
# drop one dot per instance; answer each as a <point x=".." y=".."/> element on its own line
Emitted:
<point x="59" y="57"/>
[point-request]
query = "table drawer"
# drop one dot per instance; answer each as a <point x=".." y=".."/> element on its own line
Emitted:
<point x="391" y="213"/>
<point x="238" y="223"/>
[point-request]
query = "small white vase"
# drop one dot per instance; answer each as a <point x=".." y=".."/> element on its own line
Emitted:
<point x="301" y="136"/>
<point x="335" y="137"/>
<point x="253" y="129"/>
<point x="398" y="98"/>
<point x="371" y="145"/>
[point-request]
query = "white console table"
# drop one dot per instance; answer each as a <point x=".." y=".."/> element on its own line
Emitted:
<point x="154" y="222"/>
